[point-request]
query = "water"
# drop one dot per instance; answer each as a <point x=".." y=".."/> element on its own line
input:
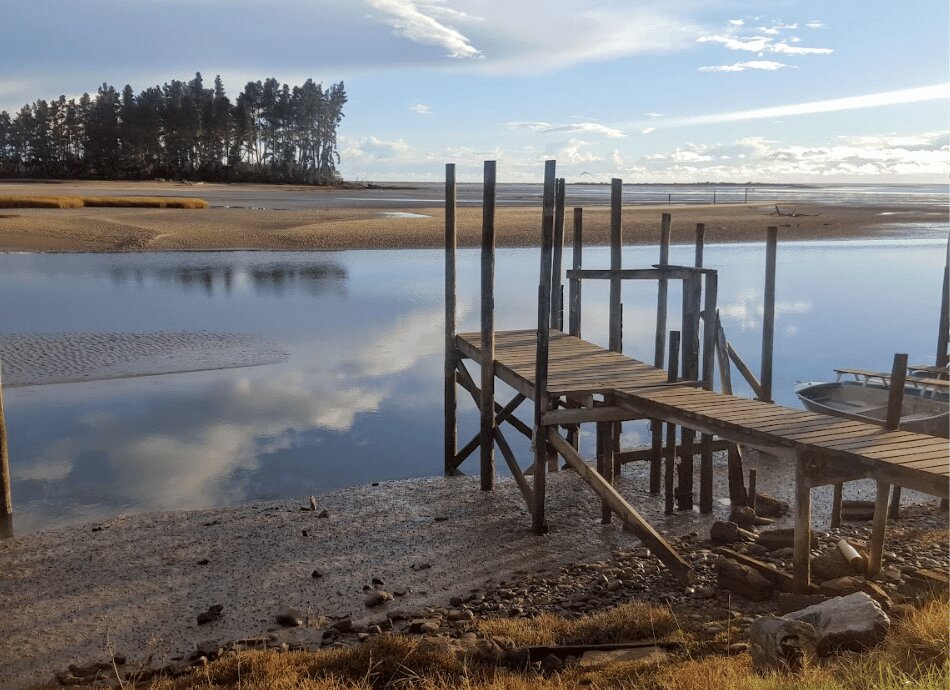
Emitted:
<point x="359" y="398"/>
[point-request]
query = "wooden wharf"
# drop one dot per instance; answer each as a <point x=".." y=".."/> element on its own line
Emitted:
<point x="572" y="381"/>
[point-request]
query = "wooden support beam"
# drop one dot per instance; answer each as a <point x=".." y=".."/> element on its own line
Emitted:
<point x="895" y="392"/>
<point x="656" y="273"/>
<point x="630" y="517"/>
<point x="708" y="375"/>
<point x="557" y="302"/>
<point x="670" y="460"/>
<point x="662" y="305"/>
<point x="616" y="249"/>
<point x="745" y="371"/>
<point x="943" y="330"/>
<point x="700" y="244"/>
<point x="542" y="402"/>
<point x="895" y="510"/>
<point x="6" y="497"/>
<point x="504" y="415"/>
<point x="513" y="466"/>
<point x="836" y="499"/>
<point x="690" y="355"/>
<point x="577" y="250"/>
<point x="605" y="464"/>
<point x="878" y="529"/>
<point x="465" y="380"/>
<point x="646" y="454"/>
<point x="802" y="539"/>
<point x="737" y="492"/>
<point x="607" y="413"/>
<point x="450" y="423"/>
<point x="487" y="464"/>
<point x="768" y="315"/>
<point x="752" y="489"/>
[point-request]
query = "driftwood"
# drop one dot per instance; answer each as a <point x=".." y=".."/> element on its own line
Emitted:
<point x="778" y="212"/>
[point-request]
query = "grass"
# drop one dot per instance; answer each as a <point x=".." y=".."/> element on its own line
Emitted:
<point x="100" y="201"/>
<point x="915" y="655"/>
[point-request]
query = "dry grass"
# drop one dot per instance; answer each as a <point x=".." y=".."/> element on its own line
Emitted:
<point x="915" y="655"/>
<point x="101" y="201"/>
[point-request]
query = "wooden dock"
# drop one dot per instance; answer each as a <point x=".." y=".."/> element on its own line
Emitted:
<point x="572" y="381"/>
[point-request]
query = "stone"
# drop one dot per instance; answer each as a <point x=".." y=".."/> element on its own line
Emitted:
<point x="742" y="580"/>
<point x="724" y="532"/>
<point x="316" y="574"/>
<point x="212" y="614"/>
<point x="772" y="539"/>
<point x="830" y="565"/>
<point x="551" y="664"/>
<point x="324" y="513"/>
<point x="849" y="584"/>
<point x="651" y="654"/>
<point x="425" y="626"/>
<point x="789" y="602"/>
<point x="780" y="644"/>
<point x="744" y="516"/>
<point x="767" y="506"/>
<point x="289" y="617"/>
<point x="851" y="623"/>
<point x="377" y="598"/>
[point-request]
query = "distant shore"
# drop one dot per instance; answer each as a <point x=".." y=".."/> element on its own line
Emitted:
<point x="376" y="226"/>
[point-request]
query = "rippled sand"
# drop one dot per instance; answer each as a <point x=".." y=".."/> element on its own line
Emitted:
<point x="32" y="359"/>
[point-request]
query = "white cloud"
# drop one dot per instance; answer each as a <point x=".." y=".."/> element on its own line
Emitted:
<point x="762" y="40"/>
<point x="767" y="65"/>
<point x="736" y="22"/>
<point x="421" y="109"/>
<point x="654" y="115"/>
<point x="574" y="152"/>
<point x="647" y="130"/>
<point x="753" y="44"/>
<point x="786" y="49"/>
<point x="409" y="19"/>
<point x="586" y="127"/>
<point x="373" y="148"/>
<point x="815" y="24"/>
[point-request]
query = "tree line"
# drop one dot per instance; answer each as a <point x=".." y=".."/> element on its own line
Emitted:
<point x="181" y="130"/>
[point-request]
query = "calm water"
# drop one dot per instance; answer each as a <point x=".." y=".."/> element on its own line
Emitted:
<point x="359" y="398"/>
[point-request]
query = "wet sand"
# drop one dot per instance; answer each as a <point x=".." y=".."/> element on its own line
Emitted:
<point x="380" y="224"/>
<point x="136" y="584"/>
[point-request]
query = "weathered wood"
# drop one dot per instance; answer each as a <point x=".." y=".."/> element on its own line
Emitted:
<point x="655" y="273"/>
<point x="943" y="331"/>
<point x="646" y="454"/>
<point x="450" y="423"/>
<point x="487" y="464"/>
<point x="662" y="305"/>
<point x="513" y="466"/>
<point x="745" y="371"/>
<point x="894" y="513"/>
<point x="505" y="414"/>
<point x="616" y="248"/>
<point x="655" y="455"/>
<point x="557" y="302"/>
<point x="690" y="357"/>
<point x="6" y="496"/>
<point x="752" y="489"/>
<point x="577" y="250"/>
<point x="782" y="581"/>
<point x="700" y="244"/>
<point x="670" y="459"/>
<point x="836" y="501"/>
<point x="630" y="517"/>
<point x="607" y="413"/>
<point x="605" y="463"/>
<point x="542" y="402"/>
<point x="895" y="394"/>
<point x="768" y="316"/>
<point x="802" y="544"/>
<point x="708" y="376"/>
<point x="878" y="529"/>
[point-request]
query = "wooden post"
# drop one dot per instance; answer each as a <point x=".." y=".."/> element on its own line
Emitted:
<point x="690" y="357"/>
<point x="616" y="246"/>
<point x="752" y="489"/>
<point x="700" y="244"/>
<point x="768" y="314"/>
<point x="878" y="529"/>
<point x="895" y="511"/>
<point x="944" y="328"/>
<point x="450" y="393"/>
<point x="6" y="497"/>
<point x="709" y="365"/>
<point x="605" y="463"/>
<point x="542" y="402"/>
<point x="672" y="376"/>
<point x="895" y="392"/>
<point x="574" y="320"/>
<point x="737" y="492"/>
<point x="557" y="291"/>
<point x="836" y="505"/>
<point x="662" y="300"/>
<point x="802" y="538"/>
<point x="487" y="466"/>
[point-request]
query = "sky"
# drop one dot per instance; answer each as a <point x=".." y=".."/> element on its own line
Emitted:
<point x="645" y="90"/>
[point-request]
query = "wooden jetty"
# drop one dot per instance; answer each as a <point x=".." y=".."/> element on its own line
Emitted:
<point x="571" y="381"/>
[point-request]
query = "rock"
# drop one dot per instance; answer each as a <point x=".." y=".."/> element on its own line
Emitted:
<point x="289" y="617"/>
<point x="377" y="598"/>
<point x="204" y="561"/>
<point x="377" y="582"/>
<point x="650" y="654"/>
<point x="743" y="580"/>
<point x="212" y="614"/>
<point x="456" y="601"/>
<point x="772" y="539"/>
<point x="744" y="516"/>
<point x="551" y="664"/>
<point x="767" y="506"/>
<point x="780" y="644"/>
<point x="787" y="603"/>
<point x="849" y="584"/>
<point x="851" y="623"/>
<point x="724" y="532"/>
<point x="830" y="565"/>
<point x="316" y="574"/>
<point x="324" y="513"/>
<point x="424" y="626"/>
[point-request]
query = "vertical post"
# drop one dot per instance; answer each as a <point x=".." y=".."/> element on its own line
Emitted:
<point x="878" y="529"/>
<point x="6" y="497"/>
<point x="662" y="300"/>
<point x="451" y="357"/>
<point x="895" y="392"/>
<point x="895" y="511"/>
<point x="616" y="245"/>
<point x="541" y="400"/>
<point x="574" y="320"/>
<point x="711" y="279"/>
<point x="752" y="489"/>
<point x="768" y="314"/>
<point x="672" y="376"/>
<point x="690" y="357"/>
<point x="605" y="463"/>
<point x="700" y="244"/>
<point x="487" y="441"/>
<point x="944" y="332"/>
<point x="802" y="539"/>
<point x="737" y="493"/>
<point x="557" y="294"/>
<point x="836" y="499"/>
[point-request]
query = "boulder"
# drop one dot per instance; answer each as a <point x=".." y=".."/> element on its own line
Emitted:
<point x="849" y="584"/>
<point x="744" y="516"/>
<point x="851" y="623"/>
<point x="742" y="580"/>
<point x="783" y="645"/>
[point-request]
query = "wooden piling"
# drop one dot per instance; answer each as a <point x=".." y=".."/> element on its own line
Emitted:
<point x="700" y="244"/>
<point x="577" y="248"/>
<point x="894" y="512"/>
<point x="6" y="496"/>
<point x="542" y="402"/>
<point x="878" y="530"/>
<point x="768" y="315"/>
<point x="944" y="328"/>
<point x="662" y="302"/>
<point x="752" y="489"/>
<point x="451" y="399"/>
<point x="802" y="538"/>
<point x="895" y="393"/>
<point x="737" y="492"/>
<point x="487" y="465"/>
<point x="616" y="247"/>
<point x="557" y="290"/>
<point x="605" y="464"/>
<point x="690" y="357"/>
<point x="672" y="375"/>
<point x="836" y="498"/>
<point x="711" y="279"/>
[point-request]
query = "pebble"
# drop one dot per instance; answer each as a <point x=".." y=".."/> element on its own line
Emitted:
<point x="289" y="617"/>
<point x="212" y="614"/>
<point x="377" y="598"/>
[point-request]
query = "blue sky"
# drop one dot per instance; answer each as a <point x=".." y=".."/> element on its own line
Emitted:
<point x="650" y="91"/>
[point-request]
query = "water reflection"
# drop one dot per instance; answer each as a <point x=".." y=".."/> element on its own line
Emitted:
<point x="359" y="398"/>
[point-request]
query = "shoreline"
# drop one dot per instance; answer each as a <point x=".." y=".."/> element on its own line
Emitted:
<point x="135" y="584"/>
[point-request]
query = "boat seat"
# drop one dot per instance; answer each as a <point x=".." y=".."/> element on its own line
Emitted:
<point x="885" y="378"/>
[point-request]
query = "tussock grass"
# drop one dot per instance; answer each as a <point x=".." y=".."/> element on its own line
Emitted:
<point x="101" y="201"/>
<point x="915" y="655"/>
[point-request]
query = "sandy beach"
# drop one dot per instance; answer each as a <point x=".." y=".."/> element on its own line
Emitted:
<point x="327" y="224"/>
